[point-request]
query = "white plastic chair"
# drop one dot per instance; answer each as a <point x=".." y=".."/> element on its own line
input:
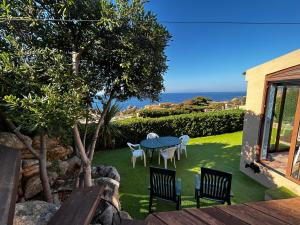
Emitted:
<point x="167" y="154"/>
<point x="182" y="146"/>
<point x="152" y="135"/>
<point x="136" y="152"/>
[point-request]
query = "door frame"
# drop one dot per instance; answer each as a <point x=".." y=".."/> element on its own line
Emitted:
<point x="294" y="142"/>
<point x="288" y="75"/>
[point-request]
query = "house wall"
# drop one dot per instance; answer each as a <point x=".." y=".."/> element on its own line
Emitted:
<point x="256" y="80"/>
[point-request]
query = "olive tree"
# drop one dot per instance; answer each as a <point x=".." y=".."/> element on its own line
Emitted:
<point x="115" y="48"/>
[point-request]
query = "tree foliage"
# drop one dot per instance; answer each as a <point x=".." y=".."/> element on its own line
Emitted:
<point x="59" y="54"/>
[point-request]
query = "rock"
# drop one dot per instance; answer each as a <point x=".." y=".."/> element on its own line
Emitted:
<point x="30" y="167"/>
<point x="125" y="215"/>
<point x="34" y="185"/>
<point x="12" y="141"/>
<point x="26" y="154"/>
<point x="51" y="142"/>
<point x="29" y="162"/>
<point x="59" y="152"/>
<point x="74" y="164"/>
<point x="34" y="213"/>
<point x="62" y="167"/>
<point x="106" y="171"/>
<point x="111" y="190"/>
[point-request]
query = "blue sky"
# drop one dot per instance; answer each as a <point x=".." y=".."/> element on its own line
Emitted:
<point x="210" y="57"/>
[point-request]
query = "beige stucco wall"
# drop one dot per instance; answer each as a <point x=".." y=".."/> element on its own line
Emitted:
<point x="255" y="78"/>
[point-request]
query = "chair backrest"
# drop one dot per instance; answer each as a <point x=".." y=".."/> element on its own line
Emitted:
<point x="131" y="146"/>
<point x="9" y="180"/>
<point x="184" y="139"/>
<point x="163" y="183"/>
<point x="152" y="135"/>
<point x="215" y="184"/>
<point x="170" y="151"/>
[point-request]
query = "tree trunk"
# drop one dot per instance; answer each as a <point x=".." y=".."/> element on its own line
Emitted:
<point x="85" y="131"/>
<point x="43" y="169"/>
<point x="87" y="170"/>
<point x="99" y="125"/>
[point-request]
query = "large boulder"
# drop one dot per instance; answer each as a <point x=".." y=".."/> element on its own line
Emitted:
<point x="109" y="178"/>
<point x="12" y="141"/>
<point x="30" y="167"/>
<point x="34" y="185"/>
<point x="106" y="171"/>
<point x="59" y="152"/>
<point x="50" y="142"/>
<point x="34" y="213"/>
<point x="74" y="164"/>
<point x="26" y="154"/>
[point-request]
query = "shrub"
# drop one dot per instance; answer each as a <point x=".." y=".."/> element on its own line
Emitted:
<point x="199" y="101"/>
<point x="194" y="125"/>
<point x="154" y="113"/>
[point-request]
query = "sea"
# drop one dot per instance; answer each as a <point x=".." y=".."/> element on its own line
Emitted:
<point x="180" y="97"/>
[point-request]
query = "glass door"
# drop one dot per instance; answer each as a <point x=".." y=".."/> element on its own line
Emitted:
<point x="293" y="169"/>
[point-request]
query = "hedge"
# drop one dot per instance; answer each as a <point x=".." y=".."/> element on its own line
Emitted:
<point x="154" y="113"/>
<point x="194" y="125"/>
<point x="183" y="109"/>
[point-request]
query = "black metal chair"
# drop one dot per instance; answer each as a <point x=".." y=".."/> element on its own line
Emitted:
<point x="213" y="185"/>
<point x="163" y="185"/>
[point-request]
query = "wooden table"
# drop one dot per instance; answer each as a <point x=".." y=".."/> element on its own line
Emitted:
<point x="273" y="212"/>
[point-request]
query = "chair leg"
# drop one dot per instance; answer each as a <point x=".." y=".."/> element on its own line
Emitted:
<point x="150" y="203"/>
<point x="229" y="202"/>
<point x="178" y="203"/>
<point x="198" y="202"/>
<point x="133" y="161"/>
<point x="144" y="155"/>
<point x="178" y="153"/>
<point x="185" y="153"/>
<point x="174" y="162"/>
<point x="158" y="158"/>
<point x="166" y="163"/>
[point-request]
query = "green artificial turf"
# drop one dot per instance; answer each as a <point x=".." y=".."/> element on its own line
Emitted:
<point x="221" y="152"/>
<point x="280" y="193"/>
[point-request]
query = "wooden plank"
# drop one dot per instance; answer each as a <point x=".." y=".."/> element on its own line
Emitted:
<point x="132" y="222"/>
<point x="290" y="203"/>
<point x="250" y="215"/>
<point x="9" y="180"/>
<point x="213" y="215"/>
<point x="79" y="208"/>
<point x="153" y="220"/>
<point x="286" y="212"/>
<point x="178" y="218"/>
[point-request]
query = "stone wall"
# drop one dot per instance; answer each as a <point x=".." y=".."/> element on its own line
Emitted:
<point x="60" y="161"/>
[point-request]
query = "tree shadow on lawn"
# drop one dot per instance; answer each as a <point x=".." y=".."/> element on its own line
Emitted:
<point x="221" y="156"/>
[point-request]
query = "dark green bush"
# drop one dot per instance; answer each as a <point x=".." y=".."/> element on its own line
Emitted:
<point x="194" y="125"/>
<point x="154" y="113"/>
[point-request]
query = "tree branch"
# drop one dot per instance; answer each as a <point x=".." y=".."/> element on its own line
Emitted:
<point x="81" y="149"/>
<point x="99" y="125"/>
<point x="12" y="126"/>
